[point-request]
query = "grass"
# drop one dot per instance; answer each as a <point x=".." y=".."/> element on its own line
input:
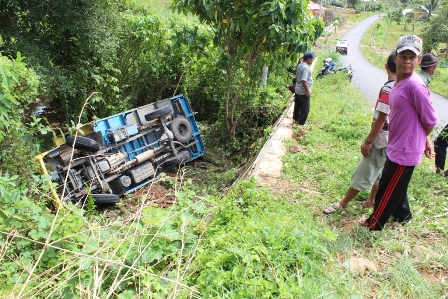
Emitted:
<point x="380" y="40"/>
<point x="274" y="242"/>
<point x="406" y="257"/>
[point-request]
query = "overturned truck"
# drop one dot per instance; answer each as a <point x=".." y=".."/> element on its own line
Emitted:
<point x="116" y="155"/>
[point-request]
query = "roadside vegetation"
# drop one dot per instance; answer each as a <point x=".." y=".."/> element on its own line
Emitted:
<point x="380" y="40"/>
<point x="208" y="237"/>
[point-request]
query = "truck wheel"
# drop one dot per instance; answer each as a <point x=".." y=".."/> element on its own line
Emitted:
<point x="105" y="198"/>
<point x="180" y="158"/>
<point x="181" y="128"/>
<point x="158" y="113"/>
<point x="83" y="143"/>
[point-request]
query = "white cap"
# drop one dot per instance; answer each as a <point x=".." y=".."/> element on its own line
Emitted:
<point x="410" y="42"/>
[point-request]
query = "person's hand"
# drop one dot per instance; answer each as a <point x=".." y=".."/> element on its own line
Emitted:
<point x="308" y="94"/>
<point x="365" y="149"/>
<point x="428" y="149"/>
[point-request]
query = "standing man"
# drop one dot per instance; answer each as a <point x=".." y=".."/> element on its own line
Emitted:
<point x="303" y="89"/>
<point x="411" y="120"/>
<point x="440" y="146"/>
<point x="428" y="67"/>
<point x="367" y="174"/>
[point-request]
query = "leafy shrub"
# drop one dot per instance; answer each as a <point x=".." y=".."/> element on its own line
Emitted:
<point x="18" y="130"/>
<point x="256" y="248"/>
<point x="66" y="254"/>
<point x="336" y="3"/>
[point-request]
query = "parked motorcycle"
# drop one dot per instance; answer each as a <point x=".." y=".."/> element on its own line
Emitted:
<point x="347" y="69"/>
<point x="326" y="70"/>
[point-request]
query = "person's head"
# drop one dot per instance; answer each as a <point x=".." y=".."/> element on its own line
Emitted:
<point x="429" y="63"/>
<point x="390" y="64"/>
<point x="308" y="57"/>
<point x="407" y="55"/>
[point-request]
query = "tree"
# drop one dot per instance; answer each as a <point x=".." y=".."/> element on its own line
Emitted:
<point x="248" y="31"/>
<point x="68" y="43"/>
<point x="436" y="30"/>
<point x="431" y="6"/>
<point x="353" y="3"/>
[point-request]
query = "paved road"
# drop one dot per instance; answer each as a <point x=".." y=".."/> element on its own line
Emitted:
<point x="369" y="79"/>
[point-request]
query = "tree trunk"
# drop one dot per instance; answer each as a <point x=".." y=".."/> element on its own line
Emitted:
<point x="264" y="78"/>
<point x="229" y="115"/>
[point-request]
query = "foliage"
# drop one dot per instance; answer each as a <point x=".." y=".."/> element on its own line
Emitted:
<point x="256" y="247"/>
<point x="436" y="30"/>
<point x="431" y="6"/>
<point x="113" y="51"/>
<point x="439" y="83"/>
<point x="336" y="3"/>
<point x="368" y="6"/>
<point x="352" y="3"/>
<point x="66" y="255"/>
<point x="247" y="35"/>
<point x="70" y="46"/>
<point x="18" y="130"/>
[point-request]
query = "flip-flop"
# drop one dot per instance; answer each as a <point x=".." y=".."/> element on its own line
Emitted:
<point x="331" y="209"/>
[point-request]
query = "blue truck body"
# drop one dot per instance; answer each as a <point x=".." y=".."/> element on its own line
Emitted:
<point x="116" y="155"/>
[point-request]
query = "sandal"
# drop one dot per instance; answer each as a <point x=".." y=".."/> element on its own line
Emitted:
<point x="331" y="209"/>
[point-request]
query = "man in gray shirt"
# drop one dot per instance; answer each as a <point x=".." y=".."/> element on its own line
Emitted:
<point x="303" y="89"/>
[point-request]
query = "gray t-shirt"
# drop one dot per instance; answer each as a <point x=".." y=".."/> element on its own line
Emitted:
<point x="303" y="73"/>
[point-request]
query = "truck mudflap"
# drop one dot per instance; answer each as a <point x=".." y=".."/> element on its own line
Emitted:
<point x="123" y="152"/>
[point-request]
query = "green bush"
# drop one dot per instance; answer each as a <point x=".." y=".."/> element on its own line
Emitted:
<point x="19" y="130"/>
<point x="256" y="248"/>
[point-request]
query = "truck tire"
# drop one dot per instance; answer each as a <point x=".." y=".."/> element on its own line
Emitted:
<point x="83" y="143"/>
<point x="105" y="198"/>
<point x="158" y="113"/>
<point x="53" y="153"/>
<point x="180" y="158"/>
<point x="181" y="128"/>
